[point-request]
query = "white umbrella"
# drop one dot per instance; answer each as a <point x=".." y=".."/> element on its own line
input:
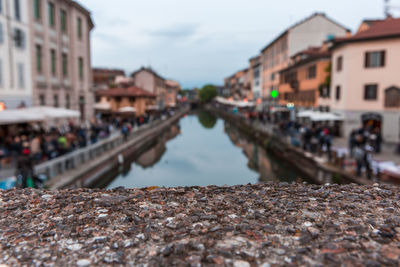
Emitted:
<point x="54" y="113"/>
<point x="14" y="116"/>
<point x="127" y="110"/>
<point x="102" y="106"/>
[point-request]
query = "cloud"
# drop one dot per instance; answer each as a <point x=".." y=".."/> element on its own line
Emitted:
<point x="176" y="31"/>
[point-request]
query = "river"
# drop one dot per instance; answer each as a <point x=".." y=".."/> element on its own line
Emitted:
<point x="203" y="150"/>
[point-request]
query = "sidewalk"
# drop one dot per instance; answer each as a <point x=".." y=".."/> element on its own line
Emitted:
<point x="387" y="153"/>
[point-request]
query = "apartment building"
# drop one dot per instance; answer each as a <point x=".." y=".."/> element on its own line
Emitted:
<point x="15" y="57"/>
<point x="365" y="85"/>
<point x="103" y="78"/>
<point x="171" y="95"/>
<point x="61" y="55"/>
<point x="275" y="57"/>
<point x="306" y="78"/>
<point x="239" y="84"/>
<point x="255" y="71"/>
<point x="150" y="81"/>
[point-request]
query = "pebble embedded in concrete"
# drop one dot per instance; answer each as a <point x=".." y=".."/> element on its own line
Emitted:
<point x="268" y="224"/>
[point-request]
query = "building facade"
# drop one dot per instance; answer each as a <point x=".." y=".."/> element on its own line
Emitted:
<point x="275" y="57"/>
<point x="172" y="91"/>
<point x="118" y="99"/>
<point x="306" y="78"/>
<point x="365" y="86"/>
<point x="239" y="84"/>
<point x="150" y="81"/>
<point x="15" y="56"/>
<point x="256" y="77"/>
<point x="61" y="55"/>
<point x="104" y="78"/>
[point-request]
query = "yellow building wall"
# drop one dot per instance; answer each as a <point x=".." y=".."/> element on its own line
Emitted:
<point x="305" y="84"/>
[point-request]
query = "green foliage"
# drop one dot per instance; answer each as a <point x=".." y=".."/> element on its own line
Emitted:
<point x="328" y="78"/>
<point x="327" y="82"/>
<point x="208" y="92"/>
<point x="207" y="119"/>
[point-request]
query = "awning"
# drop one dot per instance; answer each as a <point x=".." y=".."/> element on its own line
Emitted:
<point x="153" y="107"/>
<point x="36" y="114"/>
<point x="16" y="116"/>
<point x="319" y="116"/>
<point x="102" y="106"/>
<point x="54" y="113"/>
<point x="239" y="104"/>
<point x="127" y="110"/>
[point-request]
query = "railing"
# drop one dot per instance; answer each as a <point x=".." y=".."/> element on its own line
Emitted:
<point x="79" y="157"/>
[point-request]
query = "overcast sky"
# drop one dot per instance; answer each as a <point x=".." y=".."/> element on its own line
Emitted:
<point x="202" y="41"/>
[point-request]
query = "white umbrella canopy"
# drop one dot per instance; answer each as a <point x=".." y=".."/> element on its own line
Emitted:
<point x="240" y="104"/>
<point x="55" y="113"/>
<point x="16" y="116"/>
<point x="127" y="110"/>
<point x="102" y="106"/>
<point x="319" y="116"/>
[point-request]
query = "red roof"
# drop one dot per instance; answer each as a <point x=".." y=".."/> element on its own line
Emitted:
<point x="129" y="92"/>
<point x="314" y="52"/>
<point x="387" y="28"/>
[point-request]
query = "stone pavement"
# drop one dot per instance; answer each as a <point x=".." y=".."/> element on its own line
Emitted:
<point x="273" y="224"/>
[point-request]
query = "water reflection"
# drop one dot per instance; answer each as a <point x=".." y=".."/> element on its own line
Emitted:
<point x="153" y="155"/>
<point x="202" y="150"/>
<point x="259" y="160"/>
<point x="207" y="119"/>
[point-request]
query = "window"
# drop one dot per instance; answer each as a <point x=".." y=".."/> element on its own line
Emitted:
<point x="21" y="78"/>
<point x="339" y="63"/>
<point x="272" y="76"/>
<point x="1" y="6"/>
<point x="371" y="92"/>
<point x="312" y="72"/>
<point x="52" y="21"/>
<point x="39" y="58"/>
<point x="80" y="68"/>
<point x="67" y="101"/>
<point x="53" y="61"/>
<point x="338" y="89"/>
<point x="17" y="10"/>
<point x="36" y="9"/>
<point x="65" y="64"/>
<point x="375" y="59"/>
<point x="63" y="20"/>
<point x="256" y="74"/>
<point x="55" y="98"/>
<point x="42" y="100"/>
<point x="19" y="38"/>
<point x="79" y="28"/>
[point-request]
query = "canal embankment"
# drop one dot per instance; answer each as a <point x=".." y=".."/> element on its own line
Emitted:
<point x="313" y="167"/>
<point x="270" y="224"/>
<point x="88" y="168"/>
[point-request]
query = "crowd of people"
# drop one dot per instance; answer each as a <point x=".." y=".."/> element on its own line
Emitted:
<point x="317" y="138"/>
<point x="30" y="144"/>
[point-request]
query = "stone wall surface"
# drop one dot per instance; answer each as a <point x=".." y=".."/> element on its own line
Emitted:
<point x="251" y="225"/>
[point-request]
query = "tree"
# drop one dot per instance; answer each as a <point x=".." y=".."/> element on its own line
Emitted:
<point x="182" y="92"/>
<point x="208" y="92"/>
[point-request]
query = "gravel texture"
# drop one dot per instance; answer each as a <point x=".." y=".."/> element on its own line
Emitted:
<point x="252" y="225"/>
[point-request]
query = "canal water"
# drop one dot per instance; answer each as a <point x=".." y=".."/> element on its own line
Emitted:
<point x="203" y="150"/>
